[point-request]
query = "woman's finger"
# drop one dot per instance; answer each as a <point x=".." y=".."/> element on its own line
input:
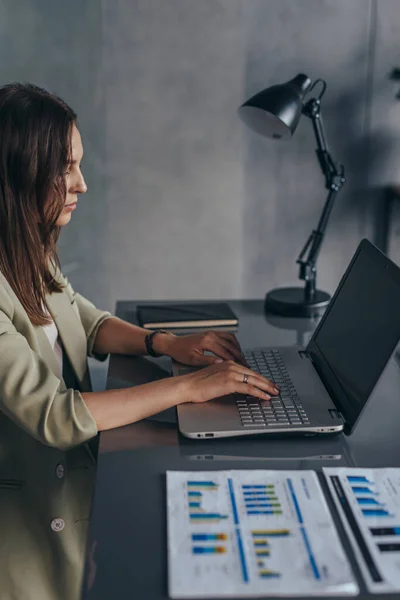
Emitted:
<point x="252" y="390"/>
<point x="232" y="340"/>
<point x="240" y="373"/>
<point x="224" y="348"/>
<point x="230" y="337"/>
<point x="252" y="381"/>
<point x="200" y="359"/>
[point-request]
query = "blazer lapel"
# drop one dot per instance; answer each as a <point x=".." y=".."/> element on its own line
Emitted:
<point x="72" y="336"/>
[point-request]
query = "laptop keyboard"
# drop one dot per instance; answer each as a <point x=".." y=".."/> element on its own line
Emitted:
<point x="283" y="410"/>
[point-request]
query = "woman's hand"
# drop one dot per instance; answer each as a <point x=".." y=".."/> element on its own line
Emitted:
<point x="222" y="379"/>
<point x="189" y="349"/>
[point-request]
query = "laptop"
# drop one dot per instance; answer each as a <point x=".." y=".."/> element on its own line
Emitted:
<point x="325" y="387"/>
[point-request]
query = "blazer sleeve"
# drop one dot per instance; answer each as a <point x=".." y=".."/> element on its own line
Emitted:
<point x="90" y="316"/>
<point x="30" y="392"/>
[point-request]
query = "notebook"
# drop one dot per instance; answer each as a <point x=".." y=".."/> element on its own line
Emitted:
<point x="186" y="314"/>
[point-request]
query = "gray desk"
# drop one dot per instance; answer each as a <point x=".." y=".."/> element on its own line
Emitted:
<point x="128" y="518"/>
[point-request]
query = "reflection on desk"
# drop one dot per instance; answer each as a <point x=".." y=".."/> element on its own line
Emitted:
<point x="293" y="453"/>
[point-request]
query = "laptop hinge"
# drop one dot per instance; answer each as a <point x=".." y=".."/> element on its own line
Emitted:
<point x="335" y="414"/>
<point x="304" y="354"/>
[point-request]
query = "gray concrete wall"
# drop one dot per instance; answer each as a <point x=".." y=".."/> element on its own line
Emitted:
<point x="184" y="201"/>
<point x="58" y="45"/>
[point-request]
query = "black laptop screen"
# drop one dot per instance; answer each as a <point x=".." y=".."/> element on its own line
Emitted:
<point x="359" y="330"/>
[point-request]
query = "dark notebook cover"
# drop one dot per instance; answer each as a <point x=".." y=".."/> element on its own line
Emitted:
<point x="186" y="315"/>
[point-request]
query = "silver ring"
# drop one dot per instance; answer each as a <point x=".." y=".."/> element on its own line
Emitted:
<point x="245" y="378"/>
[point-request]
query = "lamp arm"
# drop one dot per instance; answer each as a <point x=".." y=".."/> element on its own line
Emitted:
<point x="334" y="180"/>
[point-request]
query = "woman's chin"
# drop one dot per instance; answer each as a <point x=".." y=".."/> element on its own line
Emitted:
<point x="63" y="219"/>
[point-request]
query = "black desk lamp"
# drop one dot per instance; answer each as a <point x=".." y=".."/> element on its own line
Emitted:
<point x="275" y="113"/>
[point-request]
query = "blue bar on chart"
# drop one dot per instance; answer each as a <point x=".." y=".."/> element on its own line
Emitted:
<point x="208" y="537"/>
<point x="208" y="550"/>
<point x="263" y="552"/>
<point x="358" y="479"/>
<point x="265" y="573"/>
<point x="265" y="505"/>
<point x="260" y="498"/>
<point x="362" y="489"/>
<point x="265" y="493"/>
<point x="260" y="563"/>
<point x="207" y="517"/>
<point x="377" y="531"/>
<point x="265" y="501"/>
<point x="368" y="501"/>
<point x="258" y="490"/>
<point x="264" y="512"/>
<point x="261" y="502"/>
<point x="375" y="512"/>
<point x="259" y="487"/>
<point x="259" y="543"/>
<point x="206" y="485"/>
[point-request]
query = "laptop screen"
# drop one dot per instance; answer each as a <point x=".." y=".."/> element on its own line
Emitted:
<point x="359" y="331"/>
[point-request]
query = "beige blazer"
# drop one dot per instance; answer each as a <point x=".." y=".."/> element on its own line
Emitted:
<point x="47" y="467"/>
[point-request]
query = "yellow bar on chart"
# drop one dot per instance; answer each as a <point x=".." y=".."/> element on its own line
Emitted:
<point x="270" y="532"/>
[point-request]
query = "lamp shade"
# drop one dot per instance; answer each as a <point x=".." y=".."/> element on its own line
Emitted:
<point x="276" y="111"/>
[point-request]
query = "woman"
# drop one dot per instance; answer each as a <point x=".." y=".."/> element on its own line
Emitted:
<point x="49" y="417"/>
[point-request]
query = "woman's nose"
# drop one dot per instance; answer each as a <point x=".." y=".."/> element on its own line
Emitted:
<point x="81" y="187"/>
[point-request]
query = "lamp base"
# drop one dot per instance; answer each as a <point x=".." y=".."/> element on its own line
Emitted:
<point x="292" y="302"/>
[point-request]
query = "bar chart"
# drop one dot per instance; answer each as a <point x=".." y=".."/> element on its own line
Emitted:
<point x="368" y="501"/>
<point x="252" y="533"/>
<point x="261" y="500"/>
<point x="263" y="543"/>
<point x="197" y="493"/>
<point x="366" y="496"/>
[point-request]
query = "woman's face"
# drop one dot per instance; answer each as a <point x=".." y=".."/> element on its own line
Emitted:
<point x="74" y="180"/>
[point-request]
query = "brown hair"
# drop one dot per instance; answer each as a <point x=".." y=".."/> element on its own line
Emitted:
<point x="35" y="148"/>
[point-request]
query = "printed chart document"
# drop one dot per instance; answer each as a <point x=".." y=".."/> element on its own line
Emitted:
<point x="368" y="501"/>
<point x="252" y="533"/>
